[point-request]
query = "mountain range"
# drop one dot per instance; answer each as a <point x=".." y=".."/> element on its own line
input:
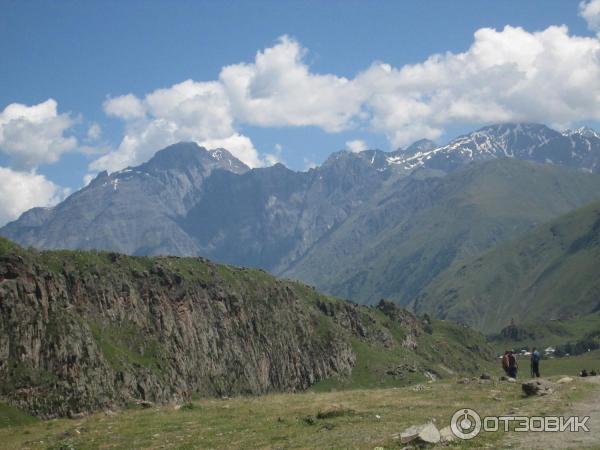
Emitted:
<point x="364" y="226"/>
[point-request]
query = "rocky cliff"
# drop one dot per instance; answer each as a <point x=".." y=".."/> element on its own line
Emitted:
<point x="81" y="331"/>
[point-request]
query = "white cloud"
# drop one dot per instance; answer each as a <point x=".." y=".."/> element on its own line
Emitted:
<point x="511" y="74"/>
<point x="356" y="146"/>
<point x="309" y="164"/>
<point x="124" y="107"/>
<point x="187" y="111"/>
<point x="278" y="89"/>
<point x="508" y="75"/>
<point x="590" y="11"/>
<point x="34" y="135"/>
<point x="20" y="191"/>
<point x="274" y="158"/>
<point x="239" y="146"/>
<point x="94" y="132"/>
<point x="87" y="178"/>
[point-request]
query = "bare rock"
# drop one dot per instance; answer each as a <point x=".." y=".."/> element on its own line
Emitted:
<point x="446" y="434"/>
<point x="421" y="434"/>
<point x="537" y="387"/>
<point x="565" y="380"/>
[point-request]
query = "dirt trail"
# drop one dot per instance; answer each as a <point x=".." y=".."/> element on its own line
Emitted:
<point x="590" y="406"/>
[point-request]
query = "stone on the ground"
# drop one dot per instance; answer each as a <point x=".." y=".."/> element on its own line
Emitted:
<point x="421" y="434"/>
<point x="446" y="434"/>
<point x="537" y="387"/>
<point x="485" y="376"/>
<point x="565" y="380"/>
<point x="464" y="381"/>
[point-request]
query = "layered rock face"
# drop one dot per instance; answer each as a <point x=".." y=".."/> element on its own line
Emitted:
<point x="85" y="331"/>
<point x="78" y="335"/>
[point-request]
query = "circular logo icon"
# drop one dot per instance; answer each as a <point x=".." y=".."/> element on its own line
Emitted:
<point x="465" y="424"/>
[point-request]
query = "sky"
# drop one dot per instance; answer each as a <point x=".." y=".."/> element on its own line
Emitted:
<point x="91" y="86"/>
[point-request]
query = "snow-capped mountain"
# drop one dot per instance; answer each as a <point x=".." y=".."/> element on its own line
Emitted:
<point x="179" y="203"/>
<point x="583" y="131"/>
<point x="532" y="142"/>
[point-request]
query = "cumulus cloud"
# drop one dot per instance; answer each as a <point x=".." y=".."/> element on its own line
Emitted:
<point x="511" y="74"/>
<point x="356" y="146"/>
<point x="33" y="135"/>
<point x="507" y="75"/>
<point x="590" y="11"/>
<point x="124" y="107"/>
<point x="187" y="111"/>
<point x="278" y="89"/>
<point x="20" y="191"/>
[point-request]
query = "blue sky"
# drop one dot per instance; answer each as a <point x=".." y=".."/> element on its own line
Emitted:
<point x="83" y="54"/>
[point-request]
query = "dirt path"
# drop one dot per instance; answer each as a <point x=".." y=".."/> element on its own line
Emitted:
<point x="590" y="406"/>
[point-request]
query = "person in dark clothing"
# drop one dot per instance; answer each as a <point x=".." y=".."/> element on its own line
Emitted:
<point x="535" y="363"/>
<point x="505" y="362"/>
<point x="513" y="366"/>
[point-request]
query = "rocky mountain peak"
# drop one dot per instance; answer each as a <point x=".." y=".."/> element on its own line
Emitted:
<point x="585" y="132"/>
<point x="184" y="155"/>
<point x="420" y="146"/>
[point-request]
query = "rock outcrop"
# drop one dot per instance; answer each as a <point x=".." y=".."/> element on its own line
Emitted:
<point x="73" y="341"/>
<point x="84" y="331"/>
<point x="81" y="331"/>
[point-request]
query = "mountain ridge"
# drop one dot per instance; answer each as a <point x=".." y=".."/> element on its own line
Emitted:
<point x="85" y="331"/>
<point x="190" y="201"/>
<point x="547" y="274"/>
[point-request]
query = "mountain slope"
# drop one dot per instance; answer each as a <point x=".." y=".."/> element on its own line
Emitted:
<point x="274" y="215"/>
<point x="363" y="225"/>
<point x="398" y="243"/>
<point x="81" y="331"/>
<point x="550" y="273"/>
<point x="132" y="211"/>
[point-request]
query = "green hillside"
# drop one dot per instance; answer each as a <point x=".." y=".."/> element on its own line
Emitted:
<point x="83" y="331"/>
<point x="549" y="274"/>
<point x="418" y="226"/>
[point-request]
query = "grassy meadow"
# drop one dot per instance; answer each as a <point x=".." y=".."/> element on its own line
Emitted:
<point x="363" y="418"/>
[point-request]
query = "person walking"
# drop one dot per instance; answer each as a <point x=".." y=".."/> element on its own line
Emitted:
<point x="513" y="366"/>
<point x="535" y="363"/>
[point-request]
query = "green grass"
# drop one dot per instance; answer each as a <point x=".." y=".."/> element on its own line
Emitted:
<point x="549" y="274"/>
<point x="368" y="418"/>
<point x="394" y="246"/>
<point x="569" y="365"/>
<point x="125" y="344"/>
<point x="13" y="417"/>
<point x="554" y="333"/>
<point x="7" y="246"/>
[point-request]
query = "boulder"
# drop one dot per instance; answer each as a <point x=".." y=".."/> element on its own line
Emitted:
<point x="446" y="434"/>
<point x="421" y="434"/>
<point x="537" y="387"/>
